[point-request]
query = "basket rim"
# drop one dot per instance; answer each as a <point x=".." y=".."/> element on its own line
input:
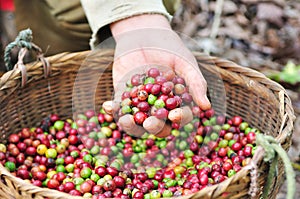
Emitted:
<point x="11" y="80"/>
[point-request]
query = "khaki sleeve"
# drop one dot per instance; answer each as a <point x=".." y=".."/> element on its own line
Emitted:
<point x="101" y="13"/>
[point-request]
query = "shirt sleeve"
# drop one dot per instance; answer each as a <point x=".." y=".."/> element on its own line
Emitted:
<point x="101" y="13"/>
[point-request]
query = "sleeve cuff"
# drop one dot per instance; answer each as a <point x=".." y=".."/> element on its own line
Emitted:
<point x="101" y="13"/>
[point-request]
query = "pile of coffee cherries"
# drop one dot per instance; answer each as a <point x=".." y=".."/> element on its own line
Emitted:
<point x="154" y="94"/>
<point x="90" y="156"/>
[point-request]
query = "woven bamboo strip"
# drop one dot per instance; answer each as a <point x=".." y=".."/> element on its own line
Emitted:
<point x="262" y="102"/>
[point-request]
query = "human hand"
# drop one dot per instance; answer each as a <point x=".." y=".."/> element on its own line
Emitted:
<point x="145" y="41"/>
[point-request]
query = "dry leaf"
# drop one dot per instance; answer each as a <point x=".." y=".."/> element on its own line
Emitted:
<point x="278" y="2"/>
<point x="272" y="38"/>
<point x="191" y="27"/>
<point x="229" y="7"/>
<point x="270" y="12"/>
<point x="236" y="56"/>
<point x="241" y="19"/>
<point x="233" y="29"/>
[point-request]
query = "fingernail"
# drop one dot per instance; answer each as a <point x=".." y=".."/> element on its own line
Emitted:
<point x="205" y="96"/>
<point x="153" y="125"/>
<point x="204" y="103"/>
<point x="107" y="106"/>
<point x="208" y="104"/>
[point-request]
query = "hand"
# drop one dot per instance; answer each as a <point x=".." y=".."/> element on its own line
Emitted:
<point x="145" y="41"/>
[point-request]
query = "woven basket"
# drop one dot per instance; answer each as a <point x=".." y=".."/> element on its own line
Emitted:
<point x="261" y="102"/>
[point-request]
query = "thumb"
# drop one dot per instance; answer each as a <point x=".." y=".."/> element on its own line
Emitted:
<point x="129" y="126"/>
<point x="110" y="107"/>
<point x="157" y="127"/>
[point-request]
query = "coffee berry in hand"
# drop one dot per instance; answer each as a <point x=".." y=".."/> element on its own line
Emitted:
<point x="154" y="94"/>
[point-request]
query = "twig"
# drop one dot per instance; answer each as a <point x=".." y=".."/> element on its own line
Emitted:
<point x="216" y="22"/>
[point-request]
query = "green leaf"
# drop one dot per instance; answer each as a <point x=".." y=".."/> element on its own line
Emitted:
<point x="274" y="76"/>
<point x="290" y="74"/>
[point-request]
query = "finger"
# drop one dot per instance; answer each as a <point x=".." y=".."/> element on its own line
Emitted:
<point x="181" y="115"/>
<point x="110" y="107"/>
<point x="195" y="82"/>
<point x="153" y="125"/>
<point x="129" y="126"/>
<point x="199" y="95"/>
<point x="166" y="131"/>
<point x="157" y="127"/>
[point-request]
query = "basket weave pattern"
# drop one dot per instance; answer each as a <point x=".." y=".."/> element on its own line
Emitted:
<point x="261" y="102"/>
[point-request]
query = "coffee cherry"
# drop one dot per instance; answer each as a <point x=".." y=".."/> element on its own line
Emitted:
<point x="119" y="181"/>
<point x="73" y="139"/>
<point x="112" y="171"/>
<point x="251" y="137"/>
<point x="53" y="184"/>
<point x="148" y="87"/>
<point x="160" y="80"/>
<point x="156" y="88"/>
<point x="186" y="98"/>
<point x="31" y="151"/>
<point x="247" y="150"/>
<point x="179" y="89"/>
<point x="159" y="104"/>
<point x="143" y="106"/>
<point x="171" y="103"/>
<point x="142" y="95"/>
<point x="236" y="146"/>
<point x="13" y="138"/>
<point x="85" y="187"/>
<point x="136" y="80"/>
<point x="227" y="166"/>
<point x="167" y="87"/>
<point x="153" y="72"/>
<point x="162" y="113"/>
<point x="222" y="152"/>
<point x="109" y="185"/>
<point x="23" y="174"/>
<point x="237" y="120"/>
<point x="140" y="117"/>
<point x="138" y="195"/>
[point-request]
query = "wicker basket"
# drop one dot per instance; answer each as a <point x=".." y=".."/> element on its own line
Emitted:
<point x="262" y="103"/>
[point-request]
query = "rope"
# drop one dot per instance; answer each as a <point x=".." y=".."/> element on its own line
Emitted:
<point x="23" y="40"/>
<point x="272" y="173"/>
<point x="254" y="186"/>
<point x="272" y="151"/>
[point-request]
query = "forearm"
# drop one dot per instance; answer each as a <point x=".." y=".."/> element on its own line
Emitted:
<point x="140" y="22"/>
<point x="102" y="13"/>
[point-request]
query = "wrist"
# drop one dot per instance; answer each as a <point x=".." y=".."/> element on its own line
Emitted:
<point x="140" y="22"/>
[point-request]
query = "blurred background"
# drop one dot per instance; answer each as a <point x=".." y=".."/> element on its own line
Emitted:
<point x="260" y="34"/>
<point x="8" y="30"/>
